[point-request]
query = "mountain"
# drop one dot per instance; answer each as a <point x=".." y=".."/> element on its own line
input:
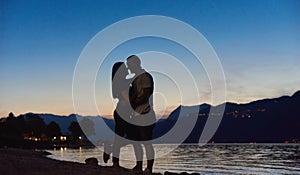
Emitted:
<point x="267" y="120"/>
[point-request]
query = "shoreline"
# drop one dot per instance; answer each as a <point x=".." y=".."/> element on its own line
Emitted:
<point x="34" y="162"/>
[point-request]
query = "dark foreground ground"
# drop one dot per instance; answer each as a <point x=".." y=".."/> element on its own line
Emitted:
<point x="30" y="162"/>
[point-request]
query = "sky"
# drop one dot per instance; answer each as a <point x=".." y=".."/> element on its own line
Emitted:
<point x="257" y="42"/>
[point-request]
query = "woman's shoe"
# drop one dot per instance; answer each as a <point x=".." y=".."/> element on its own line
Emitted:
<point x="106" y="152"/>
<point x="106" y="157"/>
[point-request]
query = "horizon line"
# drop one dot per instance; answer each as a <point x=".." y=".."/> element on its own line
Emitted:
<point x="110" y="116"/>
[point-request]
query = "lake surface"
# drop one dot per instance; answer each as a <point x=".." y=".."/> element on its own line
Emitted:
<point x="222" y="159"/>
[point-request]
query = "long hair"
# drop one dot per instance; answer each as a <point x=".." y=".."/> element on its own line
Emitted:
<point x="115" y="68"/>
<point x="118" y="66"/>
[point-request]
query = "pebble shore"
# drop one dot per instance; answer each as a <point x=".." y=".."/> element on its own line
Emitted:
<point x="33" y="162"/>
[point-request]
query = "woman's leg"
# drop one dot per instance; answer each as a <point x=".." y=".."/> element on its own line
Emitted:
<point x="119" y="134"/>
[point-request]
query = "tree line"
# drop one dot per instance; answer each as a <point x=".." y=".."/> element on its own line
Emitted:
<point x="14" y="130"/>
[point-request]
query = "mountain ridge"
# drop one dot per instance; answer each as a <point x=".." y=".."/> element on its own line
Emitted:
<point x="266" y="120"/>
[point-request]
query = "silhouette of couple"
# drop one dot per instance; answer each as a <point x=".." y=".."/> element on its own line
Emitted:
<point x="134" y="115"/>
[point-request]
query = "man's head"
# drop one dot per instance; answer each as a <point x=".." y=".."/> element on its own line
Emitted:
<point x="134" y="63"/>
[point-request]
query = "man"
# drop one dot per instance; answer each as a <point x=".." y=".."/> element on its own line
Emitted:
<point x="143" y="118"/>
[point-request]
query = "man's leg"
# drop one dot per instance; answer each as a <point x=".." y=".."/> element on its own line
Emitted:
<point x="147" y="136"/>
<point x="150" y="155"/>
<point x="138" y="150"/>
<point x="134" y="136"/>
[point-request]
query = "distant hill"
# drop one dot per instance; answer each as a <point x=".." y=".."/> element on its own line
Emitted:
<point x="65" y="121"/>
<point x="267" y="120"/>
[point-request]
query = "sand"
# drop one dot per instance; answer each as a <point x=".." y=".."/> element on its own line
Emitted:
<point x="29" y="162"/>
<point x="33" y="162"/>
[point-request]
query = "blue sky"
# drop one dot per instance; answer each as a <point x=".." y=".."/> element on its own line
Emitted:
<point x="257" y="43"/>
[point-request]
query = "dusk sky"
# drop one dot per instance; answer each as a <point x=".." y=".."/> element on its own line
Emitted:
<point x="257" y="42"/>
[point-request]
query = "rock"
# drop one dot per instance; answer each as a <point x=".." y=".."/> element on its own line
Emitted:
<point x="183" y="173"/>
<point x="46" y="153"/>
<point x="91" y="161"/>
<point x="170" y="173"/>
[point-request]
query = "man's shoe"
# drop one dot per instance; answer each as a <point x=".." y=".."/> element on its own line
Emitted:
<point x="137" y="168"/>
<point x="147" y="171"/>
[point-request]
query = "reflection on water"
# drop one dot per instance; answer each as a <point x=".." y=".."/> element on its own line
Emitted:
<point x="209" y="159"/>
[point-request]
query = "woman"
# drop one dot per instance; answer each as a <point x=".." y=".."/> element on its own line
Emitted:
<point x="120" y="91"/>
<point x="123" y="128"/>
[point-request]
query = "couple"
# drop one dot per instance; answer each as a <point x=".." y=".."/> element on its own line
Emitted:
<point x="134" y="115"/>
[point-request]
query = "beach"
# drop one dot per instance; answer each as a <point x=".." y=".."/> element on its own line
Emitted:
<point x="19" y="161"/>
<point x="34" y="162"/>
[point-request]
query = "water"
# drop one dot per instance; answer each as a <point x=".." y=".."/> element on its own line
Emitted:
<point x="222" y="159"/>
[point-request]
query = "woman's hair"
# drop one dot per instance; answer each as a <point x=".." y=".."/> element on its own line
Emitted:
<point x="121" y="69"/>
<point x="115" y="68"/>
